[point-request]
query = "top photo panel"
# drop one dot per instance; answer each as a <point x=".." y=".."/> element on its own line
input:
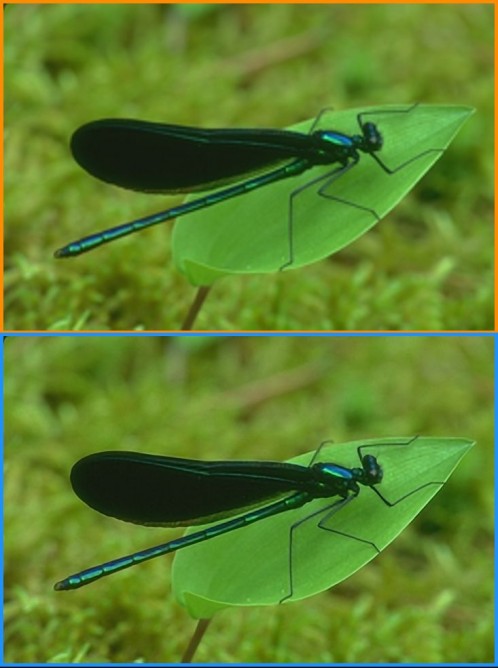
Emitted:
<point x="227" y="168"/>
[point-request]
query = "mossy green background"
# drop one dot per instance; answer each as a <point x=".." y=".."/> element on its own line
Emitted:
<point x="427" y="598"/>
<point x="428" y="265"/>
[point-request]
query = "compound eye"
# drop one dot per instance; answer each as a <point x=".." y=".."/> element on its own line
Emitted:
<point x="373" y="136"/>
<point x="372" y="469"/>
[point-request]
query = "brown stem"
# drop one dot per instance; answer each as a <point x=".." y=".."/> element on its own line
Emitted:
<point x="200" y="297"/>
<point x="195" y="640"/>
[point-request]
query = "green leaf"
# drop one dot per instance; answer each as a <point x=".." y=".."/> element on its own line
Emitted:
<point x="250" y="566"/>
<point x="249" y="234"/>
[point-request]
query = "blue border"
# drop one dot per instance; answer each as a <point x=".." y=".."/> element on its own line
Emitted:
<point x="259" y="334"/>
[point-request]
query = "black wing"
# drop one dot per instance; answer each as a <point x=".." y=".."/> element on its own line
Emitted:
<point x="154" y="157"/>
<point x="165" y="491"/>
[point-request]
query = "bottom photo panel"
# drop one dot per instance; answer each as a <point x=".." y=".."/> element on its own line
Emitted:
<point x="248" y="499"/>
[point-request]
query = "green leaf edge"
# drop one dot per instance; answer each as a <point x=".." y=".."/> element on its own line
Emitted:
<point x="198" y="605"/>
<point x="243" y="236"/>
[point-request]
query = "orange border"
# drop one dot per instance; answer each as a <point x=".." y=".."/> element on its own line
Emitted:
<point x="495" y="227"/>
<point x="260" y="2"/>
<point x="248" y="332"/>
<point x="3" y="179"/>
